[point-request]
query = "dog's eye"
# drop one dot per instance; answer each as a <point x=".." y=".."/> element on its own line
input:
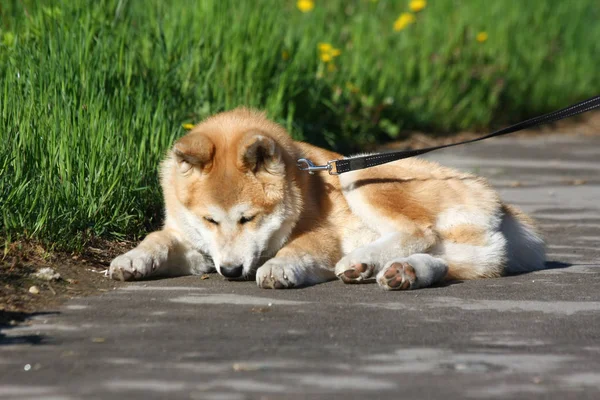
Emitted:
<point x="210" y="220"/>
<point x="184" y="166"/>
<point x="244" y="220"/>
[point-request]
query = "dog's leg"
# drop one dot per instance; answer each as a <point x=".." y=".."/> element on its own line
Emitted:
<point x="415" y="271"/>
<point x="161" y="253"/>
<point x="367" y="261"/>
<point x="306" y="260"/>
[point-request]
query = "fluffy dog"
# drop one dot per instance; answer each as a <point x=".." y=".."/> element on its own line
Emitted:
<point x="235" y="202"/>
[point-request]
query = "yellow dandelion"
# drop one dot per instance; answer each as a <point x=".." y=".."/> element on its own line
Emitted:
<point x="481" y="37"/>
<point x="403" y="21"/>
<point x="305" y="5"/>
<point x="325" y="47"/>
<point x="327" y="52"/>
<point x="187" y="127"/>
<point x="417" y="5"/>
<point x="285" y="55"/>
<point x="326" y="57"/>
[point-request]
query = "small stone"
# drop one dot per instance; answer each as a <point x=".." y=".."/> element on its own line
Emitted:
<point x="270" y="304"/>
<point x="515" y="184"/>
<point x="72" y="281"/>
<point x="244" y="367"/>
<point x="203" y="277"/>
<point x="47" y="274"/>
<point x="578" y="182"/>
<point x="27" y="367"/>
<point x="34" y="290"/>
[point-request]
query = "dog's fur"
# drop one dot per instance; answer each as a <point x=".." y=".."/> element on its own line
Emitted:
<point x="236" y="202"/>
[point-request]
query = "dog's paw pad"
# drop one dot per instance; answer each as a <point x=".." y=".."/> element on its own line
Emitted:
<point x="356" y="273"/>
<point x="398" y="276"/>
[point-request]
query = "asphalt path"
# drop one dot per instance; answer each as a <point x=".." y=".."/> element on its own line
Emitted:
<point x="530" y="336"/>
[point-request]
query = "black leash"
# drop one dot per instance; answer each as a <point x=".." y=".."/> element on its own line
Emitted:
<point x="336" y="167"/>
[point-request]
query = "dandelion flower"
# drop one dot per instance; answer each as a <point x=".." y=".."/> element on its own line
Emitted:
<point x="327" y="52"/>
<point x="403" y="21"/>
<point x="326" y="57"/>
<point x="305" y="5"/>
<point x="481" y="37"/>
<point x="325" y="47"/>
<point x="417" y="5"/>
<point x="187" y="127"/>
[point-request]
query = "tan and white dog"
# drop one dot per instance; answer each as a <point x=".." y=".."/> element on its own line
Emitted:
<point x="236" y="202"/>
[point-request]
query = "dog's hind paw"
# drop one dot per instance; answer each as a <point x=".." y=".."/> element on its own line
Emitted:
<point x="415" y="271"/>
<point x="353" y="272"/>
<point x="399" y="275"/>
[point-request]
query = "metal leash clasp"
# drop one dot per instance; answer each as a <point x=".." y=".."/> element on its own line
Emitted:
<point x="304" y="164"/>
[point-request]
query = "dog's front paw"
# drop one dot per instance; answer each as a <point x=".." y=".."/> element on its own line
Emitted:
<point x="133" y="265"/>
<point x="278" y="273"/>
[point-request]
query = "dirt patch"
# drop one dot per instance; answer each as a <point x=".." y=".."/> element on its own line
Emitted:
<point x="80" y="275"/>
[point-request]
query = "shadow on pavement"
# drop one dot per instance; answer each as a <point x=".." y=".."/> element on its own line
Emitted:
<point x="557" y="265"/>
<point x="547" y="265"/>
<point x="6" y="318"/>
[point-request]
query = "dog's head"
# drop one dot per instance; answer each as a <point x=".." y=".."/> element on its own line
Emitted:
<point x="229" y="184"/>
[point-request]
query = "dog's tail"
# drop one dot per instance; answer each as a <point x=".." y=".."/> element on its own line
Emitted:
<point x="525" y="247"/>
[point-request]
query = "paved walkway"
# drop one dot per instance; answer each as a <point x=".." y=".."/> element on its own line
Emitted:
<point x="530" y="336"/>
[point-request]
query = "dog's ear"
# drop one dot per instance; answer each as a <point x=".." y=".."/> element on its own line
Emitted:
<point x="194" y="150"/>
<point x="260" y="153"/>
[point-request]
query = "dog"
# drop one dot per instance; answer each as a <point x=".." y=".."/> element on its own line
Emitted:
<point x="235" y="202"/>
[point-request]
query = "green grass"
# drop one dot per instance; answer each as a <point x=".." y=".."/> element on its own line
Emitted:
<point x="93" y="92"/>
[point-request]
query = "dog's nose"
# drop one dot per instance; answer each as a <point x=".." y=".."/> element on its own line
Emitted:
<point x="234" y="271"/>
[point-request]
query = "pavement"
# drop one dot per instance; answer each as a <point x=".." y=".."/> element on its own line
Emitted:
<point x="534" y="336"/>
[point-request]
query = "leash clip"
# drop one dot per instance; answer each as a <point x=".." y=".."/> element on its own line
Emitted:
<point x="304" y="164"/>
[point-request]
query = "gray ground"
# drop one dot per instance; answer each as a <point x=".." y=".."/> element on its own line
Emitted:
<point x="529" y="336"/>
